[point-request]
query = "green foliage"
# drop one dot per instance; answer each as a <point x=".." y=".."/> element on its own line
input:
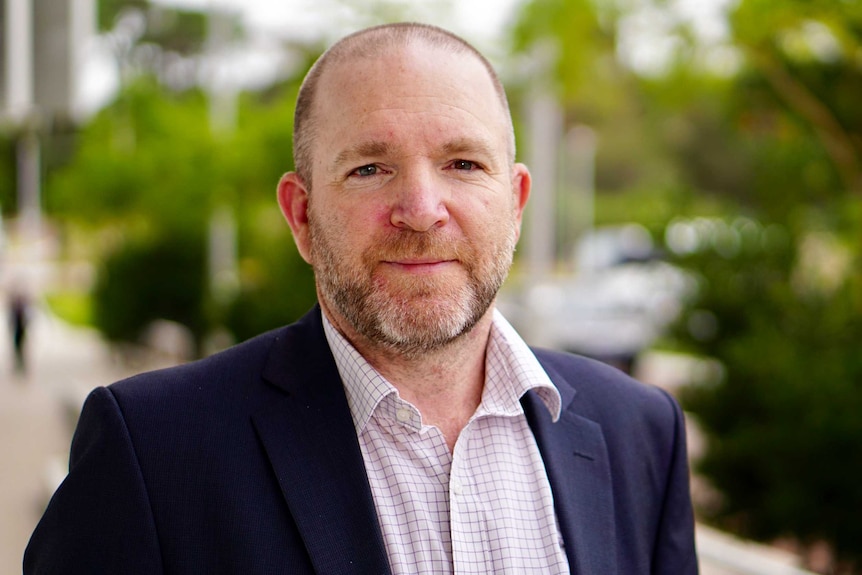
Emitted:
<point x="277" y="284"/>
<point x="783" y="422"/>
<point x="109" y="10"/>
<point x="807" y="53"/>
<point x="570" y="49"/>
<point x="577" y="43"/>
<point x="8" y="184"/>
<point x="174" y="30"/>
<point x="785" y="323"/>
<point x="151" y="154"/>
<point x="151" y="165"/>
<point x="162" y="277"/>
<point x="167" y="28"/>
<point x="72" y="307"/>
<point x="779" y="139"/>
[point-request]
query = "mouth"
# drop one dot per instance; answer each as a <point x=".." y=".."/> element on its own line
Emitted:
<point x="421" y="265"/>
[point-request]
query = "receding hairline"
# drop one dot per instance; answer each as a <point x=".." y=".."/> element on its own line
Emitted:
<point x="371" y="43"/>
<point x="377" y="40"/>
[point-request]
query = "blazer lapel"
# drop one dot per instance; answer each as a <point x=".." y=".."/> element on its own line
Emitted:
<point x="311" y="443"/>
<point x="576" y="460"/>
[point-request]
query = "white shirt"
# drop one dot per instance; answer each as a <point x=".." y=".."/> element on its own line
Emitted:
<point x="486" y="507"/>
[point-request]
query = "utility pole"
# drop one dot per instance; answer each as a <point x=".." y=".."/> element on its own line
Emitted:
<point x="41" y="52"/>
<point x="579" y="200"/>
<point x="544" y="122"/>
<point x="20" y="108"/>
<point x="222" y="248"/>
<point x="544" y="136"/>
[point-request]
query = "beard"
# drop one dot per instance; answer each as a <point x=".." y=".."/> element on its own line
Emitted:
<point x="404" y="313"/>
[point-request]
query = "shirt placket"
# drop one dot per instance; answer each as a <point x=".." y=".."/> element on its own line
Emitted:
<point x="467" y="517"/>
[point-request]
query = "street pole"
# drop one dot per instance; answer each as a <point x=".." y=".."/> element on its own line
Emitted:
<point x="544" y="123"/>
<point x="581" y="142"/>
<point x="29" y="182"/>
<point x="223" y="245"/>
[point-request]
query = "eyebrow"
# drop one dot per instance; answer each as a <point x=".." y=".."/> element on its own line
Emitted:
<point x="369" y="149"/>
<point x="468" y="145"/>
<point x="378" y="148"/>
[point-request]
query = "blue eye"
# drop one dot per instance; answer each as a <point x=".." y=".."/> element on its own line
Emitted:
<point x="463" y="165"/>
<point x="365" y="171"/>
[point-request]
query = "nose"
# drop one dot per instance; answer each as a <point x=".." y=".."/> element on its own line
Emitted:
<point x="420" y="202"/>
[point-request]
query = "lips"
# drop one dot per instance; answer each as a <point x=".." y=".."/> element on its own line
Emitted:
<point x="420" y="266"/>
<point x="419" y="261"/>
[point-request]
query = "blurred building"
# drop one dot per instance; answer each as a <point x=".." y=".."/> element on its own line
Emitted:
<point x="42" y="49"/>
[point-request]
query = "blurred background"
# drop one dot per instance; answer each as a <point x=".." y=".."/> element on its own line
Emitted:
<point x="696" y="220"/>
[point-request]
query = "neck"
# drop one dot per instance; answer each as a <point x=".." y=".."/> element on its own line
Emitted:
<point x="445" y="384"/>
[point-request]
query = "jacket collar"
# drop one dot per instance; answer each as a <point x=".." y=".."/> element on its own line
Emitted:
<point x="311" y="443"/>
<point x="576" y="459"/>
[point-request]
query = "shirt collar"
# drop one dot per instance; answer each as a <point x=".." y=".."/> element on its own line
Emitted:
<point x="511" y="370"/>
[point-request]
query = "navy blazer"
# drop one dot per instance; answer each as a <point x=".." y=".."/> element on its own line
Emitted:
<point x="248" y="462"/>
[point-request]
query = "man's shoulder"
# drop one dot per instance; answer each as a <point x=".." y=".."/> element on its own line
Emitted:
<point x="581" y="371"/>
<point x="601" y="391"/>
<point x="225" y="374"/>
<point x="236" y="360"/>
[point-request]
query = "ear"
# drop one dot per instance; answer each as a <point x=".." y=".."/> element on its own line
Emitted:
<point x="521" y="185"/>
<point x="293" y="201"/>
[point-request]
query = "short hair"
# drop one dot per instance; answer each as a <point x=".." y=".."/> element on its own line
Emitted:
<point x="369" y="43"/>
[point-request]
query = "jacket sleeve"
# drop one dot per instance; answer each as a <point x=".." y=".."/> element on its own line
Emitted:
<point x="674" y="552"/>
<point x="99" y="520"/>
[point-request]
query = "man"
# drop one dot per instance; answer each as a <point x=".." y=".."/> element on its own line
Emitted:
<point x="402" y="426"/>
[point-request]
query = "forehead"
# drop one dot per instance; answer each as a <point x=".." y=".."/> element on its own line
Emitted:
<point x="414" y="81"/>
<point x="417" y="55"/>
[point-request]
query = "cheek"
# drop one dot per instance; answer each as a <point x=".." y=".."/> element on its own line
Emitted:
<point x="363" y="213"/>
<point x="353" y="231"/>
<point x="377" y="217"/>
<point x="486" y="218"/>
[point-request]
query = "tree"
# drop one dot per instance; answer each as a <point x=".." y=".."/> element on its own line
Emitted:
<point x="760" y="160"/>
<point x="147" y="280"/>
<point x="152" y="39"/>
<point x="805" y="51"/>
<point x="783" y="319"/>
<point x="148" y="174"/>
<point x="572" y="46"/>
<point x="781" y="417"/>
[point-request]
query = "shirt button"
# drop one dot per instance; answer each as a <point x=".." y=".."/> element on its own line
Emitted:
<point x="456" y="487"/>
<point x="403" y="415"/>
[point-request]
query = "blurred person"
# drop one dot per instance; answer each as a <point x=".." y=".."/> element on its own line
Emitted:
<point x="402" y="425"/>
<point x="18" y="320"/>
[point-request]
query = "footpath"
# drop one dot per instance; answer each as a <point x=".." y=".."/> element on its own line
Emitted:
<point x="38" y="410"/>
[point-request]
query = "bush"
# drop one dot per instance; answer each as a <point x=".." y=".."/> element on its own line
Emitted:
<point x="145" y="280"/>
<point x="782" y="424"/>
<point x="277" y="284"/>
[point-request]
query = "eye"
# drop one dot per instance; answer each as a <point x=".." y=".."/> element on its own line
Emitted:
<point x="464" y="165"/>
<point x="365" y="171"/>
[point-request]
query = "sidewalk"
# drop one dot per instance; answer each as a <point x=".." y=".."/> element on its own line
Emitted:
<point x="37" y="415"/>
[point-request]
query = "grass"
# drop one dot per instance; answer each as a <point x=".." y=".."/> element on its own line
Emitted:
<point x="75" y="308"/>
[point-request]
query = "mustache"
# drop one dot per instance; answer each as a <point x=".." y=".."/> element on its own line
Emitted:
<point x="409" y="244"/>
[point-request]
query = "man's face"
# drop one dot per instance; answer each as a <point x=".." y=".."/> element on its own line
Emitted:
<point x="415" y="208"/>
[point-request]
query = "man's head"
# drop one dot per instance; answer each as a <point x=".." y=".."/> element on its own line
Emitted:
<point x="372" y="43"/>
<point x="406" y="139"/>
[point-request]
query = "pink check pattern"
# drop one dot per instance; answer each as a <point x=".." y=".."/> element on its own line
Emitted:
<point x="485" y="508"/>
